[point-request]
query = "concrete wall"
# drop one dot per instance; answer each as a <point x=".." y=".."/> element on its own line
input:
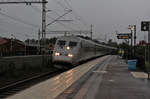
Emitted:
<point x="19" y="62"/>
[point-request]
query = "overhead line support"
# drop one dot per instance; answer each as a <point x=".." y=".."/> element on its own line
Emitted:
<point x="59" y="17"/>
<point x="26" y="2"/>
<point x="43" y="2"/>
<point x="43" y="21"/>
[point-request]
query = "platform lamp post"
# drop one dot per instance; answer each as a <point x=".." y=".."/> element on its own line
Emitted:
<point x="134" y="40"/>
<point x="131" y="29"/>
<point x="133" y="37"/>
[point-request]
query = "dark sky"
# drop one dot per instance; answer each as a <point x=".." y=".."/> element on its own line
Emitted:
<point x="107" y="16"/>
<point x="111" y="15"/>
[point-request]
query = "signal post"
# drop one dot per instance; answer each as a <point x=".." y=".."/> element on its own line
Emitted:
<point x="145" y="26"/>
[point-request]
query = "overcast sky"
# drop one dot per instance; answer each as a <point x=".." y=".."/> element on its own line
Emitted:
<point x="107" y="16"/>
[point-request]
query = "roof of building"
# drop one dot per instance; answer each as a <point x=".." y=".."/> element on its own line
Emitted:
<point x="2" y="41"/>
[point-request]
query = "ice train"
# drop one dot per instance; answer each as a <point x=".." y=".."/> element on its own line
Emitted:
<point x="73" y="50"/>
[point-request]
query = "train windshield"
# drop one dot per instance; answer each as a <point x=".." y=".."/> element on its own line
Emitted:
<point x="72" y="44"/>
<point x="61" y="43"/>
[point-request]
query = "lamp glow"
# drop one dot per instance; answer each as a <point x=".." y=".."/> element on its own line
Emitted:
<point x="57" y="54"/>
<point x="70" y="55"/>
<point x="68" y="48"/>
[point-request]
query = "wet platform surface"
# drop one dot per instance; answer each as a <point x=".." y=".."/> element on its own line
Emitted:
<point x="109" y="80"/>
<point x="107" y="77"/>
<point x="51" y="88"/>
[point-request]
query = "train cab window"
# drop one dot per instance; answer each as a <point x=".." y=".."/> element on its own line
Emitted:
<point x="61" y="43"/>
<point x="72" y="44"/>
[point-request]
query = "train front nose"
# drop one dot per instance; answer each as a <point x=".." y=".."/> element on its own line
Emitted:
<point x="62" y="57"/>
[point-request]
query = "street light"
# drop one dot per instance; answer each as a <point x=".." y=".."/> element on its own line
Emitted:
<point x="133" y="28"/>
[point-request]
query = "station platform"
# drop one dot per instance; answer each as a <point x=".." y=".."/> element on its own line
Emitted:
<point x="103" y="78"/>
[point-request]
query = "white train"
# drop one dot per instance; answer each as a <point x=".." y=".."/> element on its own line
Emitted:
<point x="73" y="49"/>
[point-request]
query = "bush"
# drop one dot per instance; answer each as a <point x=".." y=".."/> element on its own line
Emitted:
<point x="147" y="66"/>
<point x="140" y="62"/>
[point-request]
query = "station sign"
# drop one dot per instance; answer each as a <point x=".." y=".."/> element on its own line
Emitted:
<point x="124" y="36"/>
<point x="145" y="26"/>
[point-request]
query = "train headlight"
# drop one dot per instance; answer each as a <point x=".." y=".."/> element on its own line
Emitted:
<point x="70" y="55"/>
<point x="68" y="48"/>
<point x="57" y="54"/>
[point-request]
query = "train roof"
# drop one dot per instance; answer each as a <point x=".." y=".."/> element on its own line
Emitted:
<point x="69" y="37"/>
<point x="79" y="39"/>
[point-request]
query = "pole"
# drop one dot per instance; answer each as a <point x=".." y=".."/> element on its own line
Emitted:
<point x="149" y="34"/>
<point x="25" y="48"/>
<point x="134" y="35"/>
<point x="21" y="2"/>
<point x="131" y="43"/>
<point x="134" y="40"/>
<point x="43" y="2"/>
<point x="39" y="41"/>
<point x="148" y="43"/>
<point x="11" y="46"/>
<point x="148" y="53"/>
<point x="91" y="30"/>
<point x="128" y="41"/>
<point x="145" y="52"/>
<point x="131" y="38"/>
<point x="12" y="43"/>
<point x="43" y="22"/>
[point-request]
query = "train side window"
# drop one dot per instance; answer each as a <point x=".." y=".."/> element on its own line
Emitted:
<point x="72" y="44"/>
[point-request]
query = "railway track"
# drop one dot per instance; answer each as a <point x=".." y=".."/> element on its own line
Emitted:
<point x="26" y="83"/>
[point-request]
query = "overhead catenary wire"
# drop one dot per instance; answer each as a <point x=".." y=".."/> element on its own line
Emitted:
<point x="65" y="8"/>
<point x="19" y="35"/>
<point x="19" y="20"/>
<point x="6" y="31"/>
<point x="76" y="14"/>
<point x="48" y="16"/>
<point x="59" y="17"/>
<point x="16" y="18"/>
<point x="56" y="13"/>
<point x="77" y="17"/>
<point x="59" y="3"/>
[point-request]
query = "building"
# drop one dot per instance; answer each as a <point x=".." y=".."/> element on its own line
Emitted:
<point x="14" y="47"/>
